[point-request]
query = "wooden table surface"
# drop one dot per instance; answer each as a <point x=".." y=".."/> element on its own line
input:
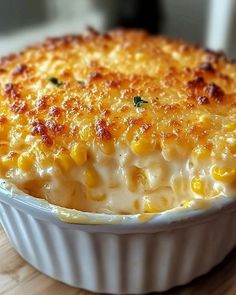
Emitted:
<point x="17" y="277"/>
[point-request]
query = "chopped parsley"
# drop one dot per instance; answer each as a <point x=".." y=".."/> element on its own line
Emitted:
<point x="55" y="81"/>
<point x="81" y="82"/>
<point x="138" y="101"/>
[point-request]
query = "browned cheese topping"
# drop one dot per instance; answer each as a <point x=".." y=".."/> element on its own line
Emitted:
<point x="123" y="87"/>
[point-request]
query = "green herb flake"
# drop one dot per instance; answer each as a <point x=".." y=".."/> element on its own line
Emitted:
<point x="55" y="81"/>
<point x="81" y="82"/>
<point x="138" y="101"/>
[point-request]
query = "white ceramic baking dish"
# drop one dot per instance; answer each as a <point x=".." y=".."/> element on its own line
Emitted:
<point x="118" y="254"/>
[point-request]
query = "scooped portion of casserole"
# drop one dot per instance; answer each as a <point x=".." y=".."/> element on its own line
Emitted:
<point x="121" y="122"/>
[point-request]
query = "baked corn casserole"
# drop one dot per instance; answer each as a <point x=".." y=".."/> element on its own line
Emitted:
<point x="121" y="122"/>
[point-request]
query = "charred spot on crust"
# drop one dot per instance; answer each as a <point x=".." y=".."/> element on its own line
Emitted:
<point x="134" y="122"/>
<point x="46" y="139"/>
<point x="92" y="31"/>
<point x="19" y="69"/>
<point x="39" y="128"/>
<point x="19" y="106"/>
<point x="102" y="131"/>
<point x="106" y="112"/>
<point x="202" y="100"/>
<point x="3" y="119"/>
<point x="145" y="127"/>
<point x="215" y="56"/>
<point x="12" y="90"/>
<point x="215" y="92"/>
<point x="41" y="103"/>
<point x="7" y="59"/>
<point x="55" y="127"/>
<point x="168" y="108"/>
<point x="95" y="76"/>
<point x="198" y="82"/>
<point x="207" y="66"/>
<point x="55" y="111"/>
<point x="113" y="83"/>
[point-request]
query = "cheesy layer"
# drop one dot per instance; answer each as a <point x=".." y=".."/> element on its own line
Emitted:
<point x="122" y="122"/>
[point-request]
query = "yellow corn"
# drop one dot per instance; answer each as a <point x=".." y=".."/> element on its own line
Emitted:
<point x="22" y="120"/>
<point x="79" y="154"/>
<point x="107" y="147"/>
<point x="26" y="161"/>
<point x="42" y="155"/>
<point x="201" y="153"/>
<point x="91" y="177"/>
<point x="232" y="145"/>
<point x="233" y="148"/>
<point x="64" y="161"/>
<point x="198" y="186"/>
<point x="134" y="178"/>
<point x="149" y="207"/>
<point x="230" y="126"/>
<point x="99" y="198"/>
<point x="139" y="56"/>
<point x="137" y="205"/>
<point x="9" y="160"/>
<point x="86" y="132"/>
<point x="153" y="204"/>
<point x="224" y="174"/>
<point x="180" y="186"/>
<point x="3" y="132"/>
<point x="3" y="149"/>
<point x="205" y="120"/>
<point x="142" y="146"/>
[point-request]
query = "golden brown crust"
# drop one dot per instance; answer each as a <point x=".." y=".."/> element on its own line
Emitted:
<point x="52" y="89"/>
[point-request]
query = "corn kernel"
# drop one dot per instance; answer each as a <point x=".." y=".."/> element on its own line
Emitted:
<point x="3" y="132"/>
<point x="64" y="161"/>
<point x="86" y="132"/>
<point x="233" y="148"/>
<point x="99" y="198"/>
<point x="139" y="56"/>
<point x="230" y="126"/>
<point x="137" y="205"/>
<point x="200" y="153"/>
<point x="26" y="161"/>
<point x="205" y="120"/>
<point x="42" y="155"/>
<point x="198" y="186"/>
<point x="154" y="204"/>
<point x="232" y="144"/>
<point x="9" y="160"/>
<point x="91" y="177"/>
<point x="3" y="148"/>
<point x="79" y="154"/>
<point x="149" y="207"/>
<point x="224" y="174"/>
<point x="180" y="186"/>
<point x="135" y="177"/>
<point x="22" y="120"/>
<point x="107" y="147"/>
<point x="142" y="146"/>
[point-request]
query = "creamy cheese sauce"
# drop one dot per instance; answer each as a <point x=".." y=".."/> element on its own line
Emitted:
<point x="128" y="184"/>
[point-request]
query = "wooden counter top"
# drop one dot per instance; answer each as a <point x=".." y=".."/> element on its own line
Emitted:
<point x="18" y="277"/>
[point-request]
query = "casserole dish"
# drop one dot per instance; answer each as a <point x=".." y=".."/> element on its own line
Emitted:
<point x="118" y="159"/>
<point x="122" y="254"/>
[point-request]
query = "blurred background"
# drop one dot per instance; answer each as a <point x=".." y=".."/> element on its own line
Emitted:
<point x="211" y="23"/>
